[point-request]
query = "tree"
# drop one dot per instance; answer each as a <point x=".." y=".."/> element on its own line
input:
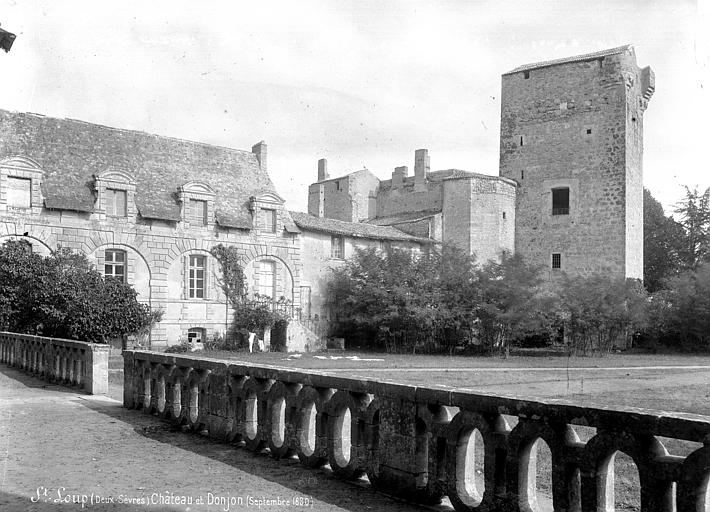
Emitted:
<point x="397" y="300"/>
<point x="664" y="242"/>
<point x="63" y="296"/>
<point x="694" y="212"/>
<point x="596" y="311"/>
<point x="681" y="311"/>
<point x="513" y="303"/>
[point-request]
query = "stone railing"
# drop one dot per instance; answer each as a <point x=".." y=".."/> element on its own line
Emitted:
<point x="69" y="362"/>
<point x="422" y="443"/>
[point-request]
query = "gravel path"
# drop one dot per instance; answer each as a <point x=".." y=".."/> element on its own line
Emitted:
<point x="58" y="445"/>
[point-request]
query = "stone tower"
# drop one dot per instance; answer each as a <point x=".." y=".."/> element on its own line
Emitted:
<point x="572" y="138"/>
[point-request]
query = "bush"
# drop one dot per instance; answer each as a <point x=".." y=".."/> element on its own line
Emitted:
<point x="62" y="296"/>
<point x="178" y="349"/>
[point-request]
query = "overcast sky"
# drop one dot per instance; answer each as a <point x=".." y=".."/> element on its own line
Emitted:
<point x="361" y="83"/>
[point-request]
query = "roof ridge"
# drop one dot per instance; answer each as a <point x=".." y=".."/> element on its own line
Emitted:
<point x="126" y="130"/>
<point x="575" y="58"/>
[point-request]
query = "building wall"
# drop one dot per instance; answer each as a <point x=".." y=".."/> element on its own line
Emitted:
<point x="573" y="119"/>
<point x="157" y="254"/>
<point x="391" y="201"/>
<point x="317" y="263"/>
<point x="349" y="198"/>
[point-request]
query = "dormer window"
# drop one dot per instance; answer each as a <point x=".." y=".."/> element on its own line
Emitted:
<point x="197" y="200"/>
<point x="116" y="203"/>
<point x="267" y="211"/>
<point x="20" y="180"/>
<point x="116" y="192"/>
<point x="19" y="192"/>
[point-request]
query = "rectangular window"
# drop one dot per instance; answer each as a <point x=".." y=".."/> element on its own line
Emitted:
<point x="197" y="212"/>
<point x="196" y="277"/>
<point x="268" y="219"/>
<point x="560" y="201"/>
<point x="267" y="279"/>
<point x="19" y="192"/>
<point x="116" y="203"/>
<point x="115" y="265"/>
<point x="556" y="260"/>
<point x="337" y="247"/>
<point x="196" y="335"/>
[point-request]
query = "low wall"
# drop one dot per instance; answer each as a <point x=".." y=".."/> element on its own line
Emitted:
<point x="70" y="362"/>
<point x="417" y="442"/>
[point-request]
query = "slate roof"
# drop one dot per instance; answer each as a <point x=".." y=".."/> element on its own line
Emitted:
<point x="402" y="218"/>
<point x="309" y="222"/>
<point x="577" y="58"/>
<point x="70" y="152"/>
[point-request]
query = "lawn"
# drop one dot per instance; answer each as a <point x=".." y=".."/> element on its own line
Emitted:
<point x="669" y="382"/>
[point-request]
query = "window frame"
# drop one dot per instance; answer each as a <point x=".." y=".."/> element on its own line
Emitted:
<point x="560" y="210"/>
<point x="269" y="220"/>
<point x="192" y="279"/>
<point x="197" y="220"/>
<point x="22" y="168"/>
<point x="116" y="264"/>
<point x="337" y="247"/>
<point x="262" y="279"/>
<point x="24" y="206"/>
<point x="558" y="257"/>
<point x="111" y="195"/>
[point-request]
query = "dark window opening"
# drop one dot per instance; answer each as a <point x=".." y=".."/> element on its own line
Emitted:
<point x="503" y="215"/>
<point x="556" y="260"/>
<point x="526" y="74"/>
<point x="633" y="119"/>
<point x="589" y="131"/>
<point x="522" y="140"/>
<point x="560" y="201"/>
<point x="337" y="185"/>
<point x="522" y="175"/>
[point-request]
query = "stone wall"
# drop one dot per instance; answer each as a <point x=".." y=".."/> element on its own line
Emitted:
<point x="350" y="198"/>
<point x="156" y="266"/>
<point x="423" y="443"/>
<point x="69" y="362"/>
<point x="317" y="266"/>
<point x="577" y="125"/>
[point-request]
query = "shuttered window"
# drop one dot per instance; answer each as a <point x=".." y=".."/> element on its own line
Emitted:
<point x="19" y="192"/>
<point x="116" y="201"/>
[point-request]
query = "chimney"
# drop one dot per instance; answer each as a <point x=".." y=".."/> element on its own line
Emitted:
<point x="398" y="176"/>
<point x="421" y="168"/>
<point x="259" y="149"/>
<point x="323" y="169"/>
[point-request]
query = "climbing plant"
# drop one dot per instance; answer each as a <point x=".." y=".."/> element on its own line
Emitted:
<point x="232" y="282"/>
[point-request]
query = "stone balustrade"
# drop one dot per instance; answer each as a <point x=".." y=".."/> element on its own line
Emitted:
<point x="421" y="442"/>
<point x="69" y="362"/>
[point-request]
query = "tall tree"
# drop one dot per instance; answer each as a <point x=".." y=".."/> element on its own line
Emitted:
<point x="694" y="212"/>
<point x="664" y="242"/>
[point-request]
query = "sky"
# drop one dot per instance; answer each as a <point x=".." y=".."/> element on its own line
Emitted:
<point x="362" y="83"/>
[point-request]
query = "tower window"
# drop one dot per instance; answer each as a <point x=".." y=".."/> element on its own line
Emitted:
<point x="556" y="260"/>
<point x="560" y="201"/>
<point x="589" y="131"/>
<point x="523" y="140"/>
<point x="503" y="215"/>
<point x="526" y="74"/>
<point x="522" y="174"/>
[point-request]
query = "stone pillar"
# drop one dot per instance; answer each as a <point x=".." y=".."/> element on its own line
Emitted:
<point x="421" y="168"/>
<point x="97" y="370"/>
<point x="323" y="169"/>
<point x="398" y="177"/>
